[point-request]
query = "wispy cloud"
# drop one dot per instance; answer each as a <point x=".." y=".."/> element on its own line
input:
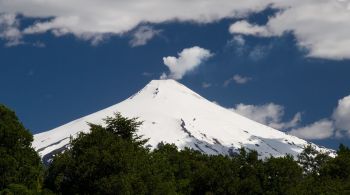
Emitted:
<point x="9" y="29"/>
<point x="39" y="44"/>
<point x="239" y="79"/>
<point x="142" y="35"/>
<point x="259" y="52"/>
<point x="206" y="85"/>
<point x="237" y="40"/>
<point x="238" y="43"/>
<point x="147" y="74"/>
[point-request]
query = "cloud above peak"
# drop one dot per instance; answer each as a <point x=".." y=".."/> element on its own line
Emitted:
<point x="188" y="59"/>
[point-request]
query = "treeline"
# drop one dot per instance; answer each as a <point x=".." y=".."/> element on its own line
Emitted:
<point x="112" y="159"/>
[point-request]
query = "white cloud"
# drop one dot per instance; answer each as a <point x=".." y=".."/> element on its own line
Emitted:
<point x="9" y="29"/>
<point x="269" y="114"/>
<point x="244" y="27"/>
<point x="239" y="79"/>
<point x="341" y="115"/>
<point x="320" y="26"/>
<point x="188" y="60"/>
<point x="319" y="130"/>
<point x="336" y="126"/>
<point x="92" y="17"/>
<point x="142" y="35"/>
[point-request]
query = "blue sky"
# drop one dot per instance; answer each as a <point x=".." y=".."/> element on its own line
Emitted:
<point x="271" y="70"/>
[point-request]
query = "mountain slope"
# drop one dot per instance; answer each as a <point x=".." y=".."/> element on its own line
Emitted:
<point x="172" y="113"/>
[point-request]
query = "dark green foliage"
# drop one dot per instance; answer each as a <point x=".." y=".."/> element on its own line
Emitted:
<point x="108" y="160"/>
<point x="192" y="171"/>
<point x="281" y="175"/>
<point x="124" y="127"/>
<point x="339" y="167"/>
<point x="197" y="173"/>
<point x="113" y="160"/>
<point x="250" y="172"/>
<point x="20" y="167"/>
<point x="336" y="172"/>
<point x="327" y="175"/>
<point x="311" y="160"/>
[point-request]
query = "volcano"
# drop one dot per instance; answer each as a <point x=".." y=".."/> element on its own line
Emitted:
<point x="172" y="113"/>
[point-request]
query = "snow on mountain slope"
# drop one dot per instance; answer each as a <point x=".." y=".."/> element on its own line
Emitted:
<point x="172" y="113"/>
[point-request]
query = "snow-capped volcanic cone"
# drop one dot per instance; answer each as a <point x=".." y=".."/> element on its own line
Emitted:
<point x="172" y="113"/>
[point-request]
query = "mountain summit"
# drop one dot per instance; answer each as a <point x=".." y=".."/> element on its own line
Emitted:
<point x="172" y="113"/>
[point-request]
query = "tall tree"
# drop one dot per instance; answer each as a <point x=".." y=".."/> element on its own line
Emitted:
<point x="281" y="175"/>
<point x="311" y="160"/>
<point x="20" y="165"/>
<point x="108" y="160"/>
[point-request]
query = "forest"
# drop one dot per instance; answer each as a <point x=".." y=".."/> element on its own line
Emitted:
<point x="112" y="159"/>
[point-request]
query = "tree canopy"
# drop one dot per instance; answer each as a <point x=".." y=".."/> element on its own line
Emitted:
<point x="20" y="165"/>
<point x="112" y="159"/>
